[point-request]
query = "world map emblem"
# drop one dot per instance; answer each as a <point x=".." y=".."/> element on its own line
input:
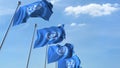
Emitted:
<point x="52" y="35"/>
<point x="60" y="50"/>
<point x="31" y="9"/>
<point x="70" y="63"/>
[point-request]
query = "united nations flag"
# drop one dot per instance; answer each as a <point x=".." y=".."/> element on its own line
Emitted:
<point x="58" y="52"/>
<point x="51" y="35"/>
<point x="41" y="9"/>
<point x="73" y="62"/>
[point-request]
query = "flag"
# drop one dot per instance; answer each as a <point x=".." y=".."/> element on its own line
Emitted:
<point x="55" y="53"/>
<point x="41" y="9"/>
<point x="73" y="62"/>
<point x="58" y="52"/>
<point x="51" y="35"/>
<point x="70" y="50"/>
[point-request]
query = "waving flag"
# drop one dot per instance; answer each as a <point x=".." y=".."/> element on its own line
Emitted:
<point x="73" y="62"/>
<point x="55" y="53"/>
<point x="41" y="9"/>
<point x="70" y="50"/>
<point x="58" y="52"/>
<point x="51" y="35"/>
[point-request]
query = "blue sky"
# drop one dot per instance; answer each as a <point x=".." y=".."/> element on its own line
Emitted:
<point x="92" y="26"/>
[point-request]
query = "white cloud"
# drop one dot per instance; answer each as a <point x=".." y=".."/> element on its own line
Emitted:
<point x="81" y="25"/>
<point x="54" y="1"/>
<point x="77" y="24"/>
<point x="73" y="24"/>
<point x="92" y="9"/>
<point x="6" y="11"/>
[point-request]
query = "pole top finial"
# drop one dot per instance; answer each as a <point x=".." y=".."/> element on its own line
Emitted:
<point x="19" y="2"/>
<point x="35" y="25"/>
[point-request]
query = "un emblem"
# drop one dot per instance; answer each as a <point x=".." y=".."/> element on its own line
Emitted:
<point x="70" y="63"/>
<point x="60" y="50"/>
<point x="31" y="9"/>
<point x="52" y="35"/>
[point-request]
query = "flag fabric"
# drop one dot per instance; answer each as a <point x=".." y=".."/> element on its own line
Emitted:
<point x="41" y="9"/>
<point x="55" y="53"/>
<point x="51" y="35"/>
<point x="58" y="52"/>
<point x="73" y="62"/>
<point x="70" y="50"/>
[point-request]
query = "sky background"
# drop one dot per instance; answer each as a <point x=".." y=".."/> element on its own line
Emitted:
<point x="92" y="26"/>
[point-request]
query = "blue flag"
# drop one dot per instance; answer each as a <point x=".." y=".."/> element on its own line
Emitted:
<point x="70" y="50"/>
<point x="73" y="62"/>
<point x="58" y="52"/>
<point x="51" y="35"/>
<point x="41" y="9"/>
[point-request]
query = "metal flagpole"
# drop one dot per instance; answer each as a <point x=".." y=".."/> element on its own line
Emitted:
<point x="31" y="46"/>
<point x="46" y="56"/>
<point x="19" y="3"/>
<point x="56" y="65"/>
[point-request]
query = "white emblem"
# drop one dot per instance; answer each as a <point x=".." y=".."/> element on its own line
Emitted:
<point x="70" y="63"/>
<point x="60" y="50"/>
<point x="52" y="35"/>
<point x="31" y="9"/>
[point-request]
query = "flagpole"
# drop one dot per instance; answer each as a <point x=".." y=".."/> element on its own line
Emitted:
<point x="56" y="65"/>
<point x="19" y="3"/>
<point x="46" y="56"/>
<point x="31" y="46"/>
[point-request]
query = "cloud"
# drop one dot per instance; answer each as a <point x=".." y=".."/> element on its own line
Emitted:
<point x="6" y="11"/>
<point x="78" y="25"/>
<point x="92" y="9"/>
<point x="81" y="25"/>
<point x="72" y="27"/>
<point x="73" y="24"/>
<point x="54" y="1"/>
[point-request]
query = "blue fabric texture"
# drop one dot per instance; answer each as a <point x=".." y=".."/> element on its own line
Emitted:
<point x="51" y="35"/>
<point x="41" y="9"/>
<point x="73" y="62"/>
<point x="58" y="52"/>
